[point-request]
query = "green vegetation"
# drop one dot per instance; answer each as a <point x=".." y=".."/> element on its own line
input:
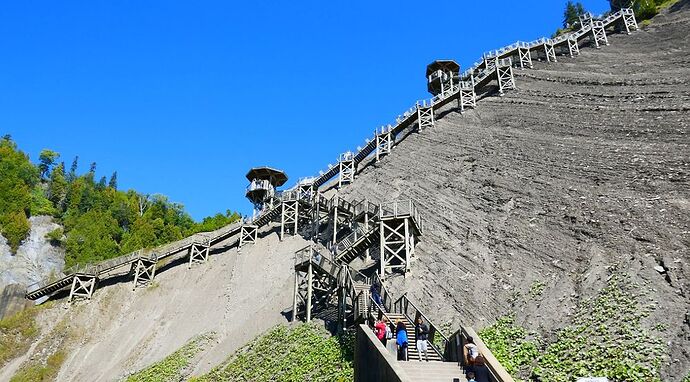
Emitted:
<point x="302" y="353"/>
<point x="17" y="332"/>
<point x="644" y="9"/>
<point x="172" y="366"/>
<point x="572" y="13"/>
<point x="100" y="222"/>
<point x="605" y="338"/>
<point x="38" y="372"/>
<point x="536" y="289"/>
<point x="687" y="378"/>
<point x="509" y="345"/>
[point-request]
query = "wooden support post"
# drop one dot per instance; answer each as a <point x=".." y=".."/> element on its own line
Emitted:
<point x="294" y="301"/>
<point x="310" y="279"/>
<point x="335" y="220"/>
<point x="550" y="51"/>
<point x="573" y="47"/>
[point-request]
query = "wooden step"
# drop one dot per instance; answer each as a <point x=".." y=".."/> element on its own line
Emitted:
<point x="433" y="371"/>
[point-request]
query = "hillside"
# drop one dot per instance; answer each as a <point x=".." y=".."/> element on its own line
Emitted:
<point x="120" y="331"/>
<point x="580" y="173"/>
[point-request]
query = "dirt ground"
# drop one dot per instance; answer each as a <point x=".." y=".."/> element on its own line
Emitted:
<point x="584" y="167"/>
<point x="236" y="295"/>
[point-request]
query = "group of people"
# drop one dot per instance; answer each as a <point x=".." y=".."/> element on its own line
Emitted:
<point x="384" y="333"/>
<point x="475" y="364"/>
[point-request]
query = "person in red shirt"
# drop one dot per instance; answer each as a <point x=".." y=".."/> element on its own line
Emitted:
<point x="381" y="331"/>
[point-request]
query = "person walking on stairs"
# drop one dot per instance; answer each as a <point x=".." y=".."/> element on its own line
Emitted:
<point x="470" y="353"/>
<point x="401" y="341"/>
<point x="376" y="295"/>
<point x="381" y="330"/>
<point x="421" y="331"/>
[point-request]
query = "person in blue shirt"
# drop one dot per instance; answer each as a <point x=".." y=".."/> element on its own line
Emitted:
<point x="401" y="341"/>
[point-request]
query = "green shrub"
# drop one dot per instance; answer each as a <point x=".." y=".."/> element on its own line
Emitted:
<point x="172" y="366"/>
<point x="56" y="237"/>
<point x="509" y="344"/>
<point x="302" y="353"/>
<point x="15" y="228"/>
<point x="40" y="204"/>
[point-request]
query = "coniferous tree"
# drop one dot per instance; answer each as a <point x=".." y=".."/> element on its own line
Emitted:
<point x="102" y="183"/>
<point x="572" y="13"/>
<point x="113" y="181"/>
<point x="57" y="187"/>
<point x="46" y="160"/>
<point x="72" y="175"/>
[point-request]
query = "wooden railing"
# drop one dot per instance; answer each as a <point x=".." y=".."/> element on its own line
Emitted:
<point x="454" y="353"/>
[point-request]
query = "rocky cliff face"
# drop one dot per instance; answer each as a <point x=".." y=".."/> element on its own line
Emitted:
<point x="35" y="259"/>
<point x="583" y="171"/>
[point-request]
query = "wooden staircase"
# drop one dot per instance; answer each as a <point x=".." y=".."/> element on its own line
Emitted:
<point x="412" y="353"/>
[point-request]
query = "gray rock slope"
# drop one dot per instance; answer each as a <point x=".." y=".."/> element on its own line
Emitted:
<point x="585" y="167"/>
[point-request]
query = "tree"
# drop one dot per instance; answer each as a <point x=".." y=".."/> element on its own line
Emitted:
<point x="113" y="181"/>
<point x="102" y="183"/>
<point x="15" y="228"/>
<point x="46" y="160"/>
<point x="92" y="238"/>
<point x="57" y="187"/>
<point x="18" y="177"/>
<point x="572" y="13"/>
<point x="73" y="170"/>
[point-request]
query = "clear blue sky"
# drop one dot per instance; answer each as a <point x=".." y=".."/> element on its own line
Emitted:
<point x="183" y="98"/>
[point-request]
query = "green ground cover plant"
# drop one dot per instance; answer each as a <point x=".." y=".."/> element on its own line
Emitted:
<point x="302" y="353"/>
<point x="17" y="332"/>
<point x="605" y="338"/>
<point x="171" y="367"/>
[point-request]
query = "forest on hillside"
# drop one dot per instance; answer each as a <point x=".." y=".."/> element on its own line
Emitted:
<point x="100" y="222"/>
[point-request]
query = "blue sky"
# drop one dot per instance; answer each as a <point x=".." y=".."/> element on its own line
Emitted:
<point x="182" y="98"/>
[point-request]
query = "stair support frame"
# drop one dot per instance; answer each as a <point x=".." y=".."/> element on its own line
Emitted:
<point x="348" y="168"/>
<point x="198" y="253"/>
<point x="525" y="57"/>
<point x="599" y="34"/>
<point x="425" y="116"/>
<point x="83" y="287"/>
<point x="289" y="217"/>
<point x="144" y="272"/>
<point x="629" y="21"/>
<point x="396" y="244"/>
<point x="248" y="235"/>
<point x="506" y="80"/>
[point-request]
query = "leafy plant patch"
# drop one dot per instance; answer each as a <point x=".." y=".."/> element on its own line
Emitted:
<point x="302" y="353"/>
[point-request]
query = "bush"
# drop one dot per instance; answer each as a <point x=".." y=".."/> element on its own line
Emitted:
<point x="56" y="237"/>
<point x="15" y="228"/>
